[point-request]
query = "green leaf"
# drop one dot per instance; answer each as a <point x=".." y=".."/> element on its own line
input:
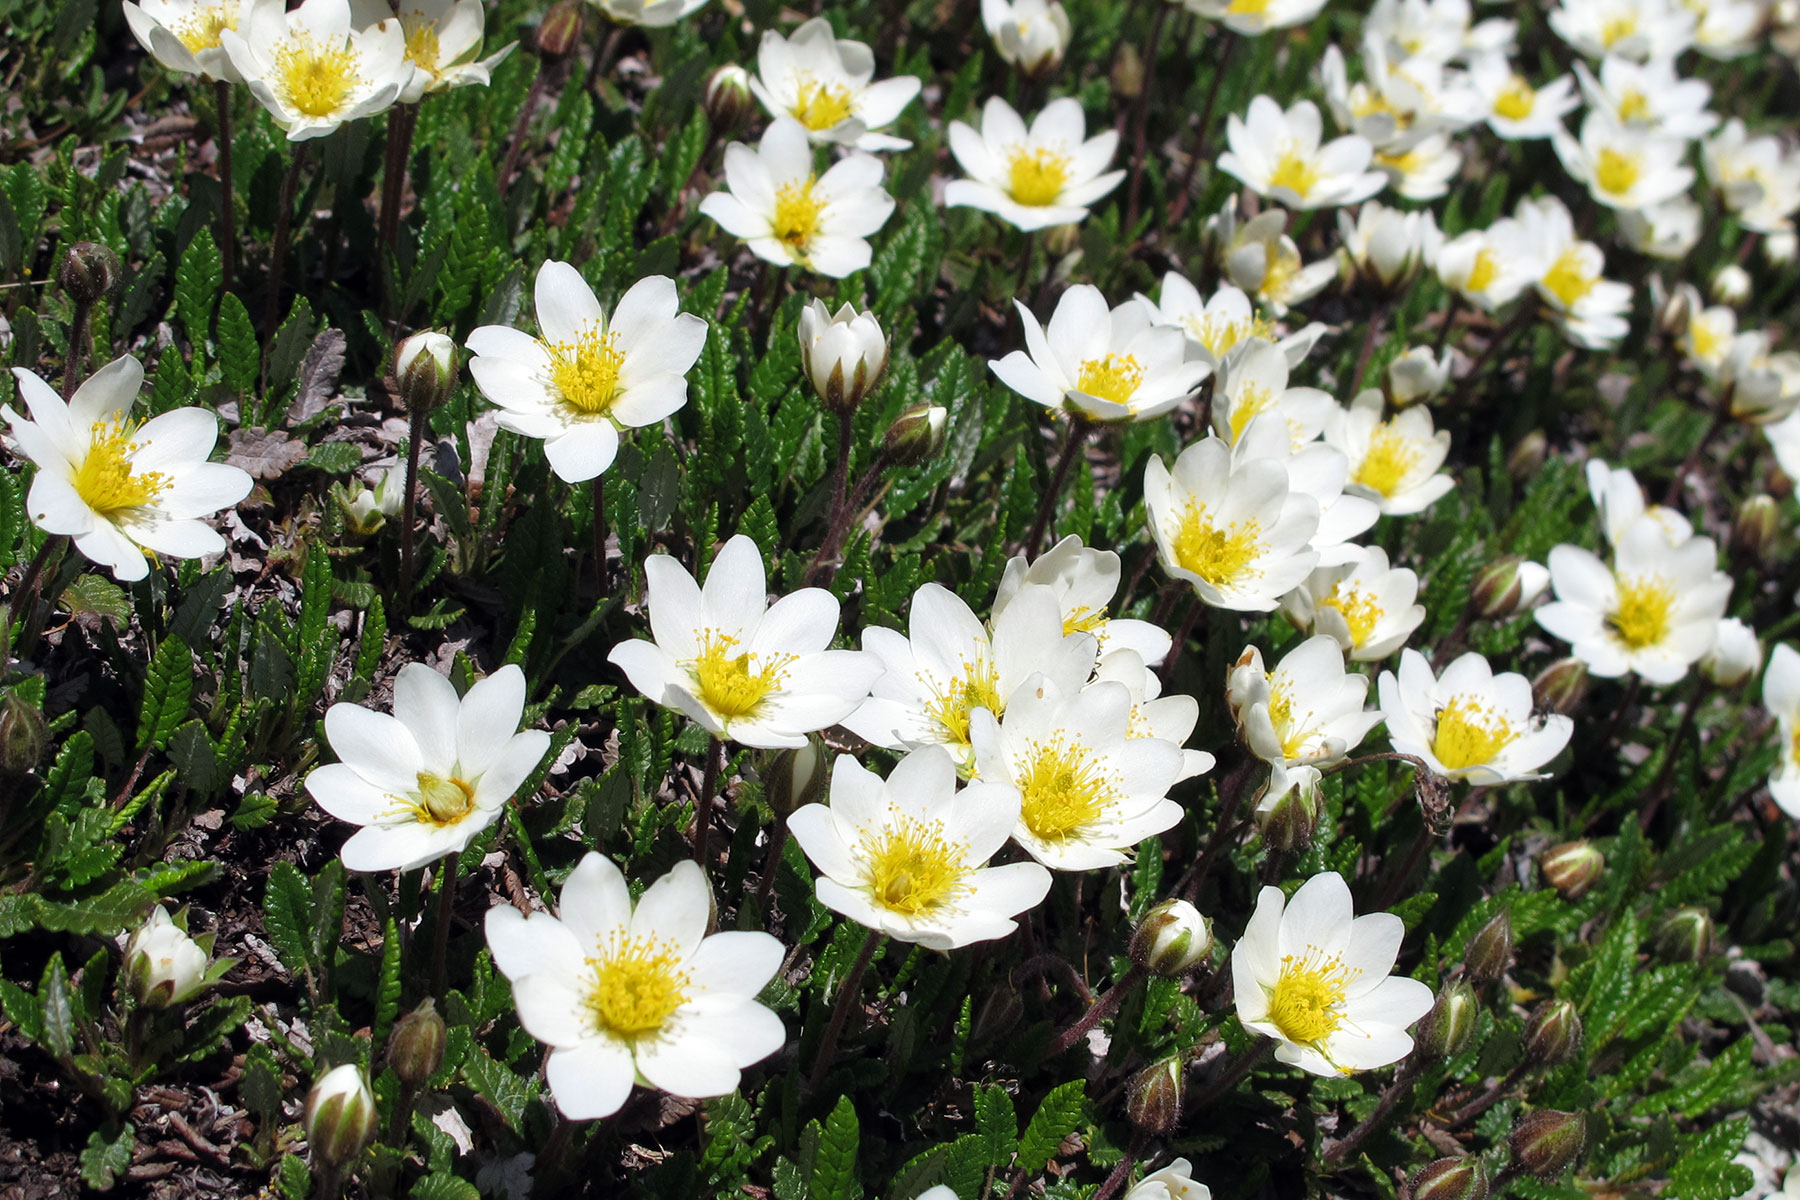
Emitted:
<point x="197" y="285"/>
<point x="168" y="684"/>
<point x="1055" y="1119"/>
<point x="387" y="993"/>
<point x="493" y="1082"/>
<point x="443" y="1186"/>
<point x="834" y="1167"/>
<point x="287" y="914"/>
<point x="105" y="1158"/>
<point x="334" y="458"/>
<point x="997" y="1123"/>
<point x="98" y="596"/>
<point x="1705" y="1170"/>
<point x="239" y="355"/>
<point x="58" y="1011"/>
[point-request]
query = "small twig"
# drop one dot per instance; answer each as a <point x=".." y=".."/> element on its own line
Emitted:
<point x="1184" y="190"/>
<point x="600" y="573"/>
<point x="1377" y="318"/>
<point x="284" y="214"/>
<point x="1485" y="1101"/>
<point x="1141" y="117"/>
<point x="440" y="943"/>
<point x="1234" y="1074"/>
<point x="1403" y="1081"/>
<point x="517" y="142"/>
<point x="1097" y="1012"/>
<point x="410" y="505"/>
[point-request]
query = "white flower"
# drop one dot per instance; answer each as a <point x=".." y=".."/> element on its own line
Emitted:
<point x="1084" y="581"/>
<point x="1418" y="375"/>
<point x="1438" y="30"/>
<point x="1108" y="365"/>
<point x="1394" y="462"/>
<point x="313" y="69"/>
<point x="1154" y="715"/>
<point x="826" y="83"/>
<point x="1590" y="309"/>
<point x="789" y="216"/>
<point x="1089" y="791"/>
<point x="1780" y="247"/>
<point x="1648" y="95"/>
<point x="1668" y="231"/>
<point x="1624" y="167"/>
<point x="1471" y="724"/>
<point x="742" y="669"/>
<point x="1727" y="28"/>
<point x="1278" y="154"/>
<point x="1314" y="976"/>
<point x="424" y="781"/>
<point x="1654" y="611"/>
<point x="1634" y="29"/>
<point x="908" y="856"/>
<point x="183" y="35"/>
<point x="587" y="376"/>
<point x="1385" y="246"/>
<point x="1032" y="35"/>
<point x="1620" y="502"/>
<point x="843" y="354"/>
<point x="1731" y="284"/>
<point x="1423" y="172"/>
<point x="1236" y="530"/>
<point x="652" y="14"/>
<point x="443" y="40"/>
<point x="1709" y="333"/>
<point x="1483" y="267"/>
<point x="1764" y="387"/>
<point x="1369" y="608"/>
<point x="1224" y="325"/>
<point x="1401" y="101"/>
<point x="1758" y="179"/>
<point x="1781" y="697"/>
<point x="952" y="665"/>
<point x="1734" y="656"/>
<point x="1784" y="440"/>
<point x="1173" y="1182"/>
<point x="1254" y="381"/>
<point x="163" y="965"/>
<point x="1308" y="711"/>
<point x="627" y="992"/>
<point x="1518" y="111"/>
<point x="1317" y="470"/>
<point x="1260" y="258"/>
<point x="1253" y="17"/>
<point x="117" y="487"/>
<point x="1049" y="174"/>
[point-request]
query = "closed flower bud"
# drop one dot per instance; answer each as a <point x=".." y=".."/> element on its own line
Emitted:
<point x="1288" y="810"/>
<point x="1553" y="1034"/>
<point x="1731" y="284"/>
<point x="796" y="777"/>
<point x="917" y="435"/>
<point x="1418" y="375"/>
<point x="1489" y="956"/>
<point x="1572" y="868"/>
<point x="1127" y="72"/>
<point x="1734" y="656"/>
<point x="22" y="734"/>
<point x="416" y="1046"/>
<point x="1527" y="456"/>
<point x="728" y="99"/>
<point x="1780" y="247"/>
<point x="163" y="965"/>
<point x="1755" y="526"/>
<point x="1497" y="589"/>
<point x="1449" y="1026"/>
<point x="1686" y="935"/>
<point x="1451" y="1179"/>
<point x="1675" y="311"/>
<point x="425" y="369"/>
<point x="340" y="1117"/>
<point x="1547" y="1143"/>
<point x="1153" y="1098"/>
<point x="88" y="272"/>
<point x="1561" y="686"/>
<point x="1172" y="939"/>
<point x="844" y="354"/>
<point x="559" y="31"/>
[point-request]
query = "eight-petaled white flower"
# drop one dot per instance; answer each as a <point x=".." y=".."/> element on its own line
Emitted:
<point x="1308" y="711"/>
<point x="1367" y="607"/>
<point x="183" y="35"/>
<point x="313" y="69"/>
<point x="1084" y="580"/>
<point x="1394" y="462"/>
<point x="1032" y="35"/>
<point x="1277" y="154"/>
<point x="1469" y="723"/>
<point x="827" y="84"/>
<point x="1032" y="178"/>
<point x="443" y="42"/>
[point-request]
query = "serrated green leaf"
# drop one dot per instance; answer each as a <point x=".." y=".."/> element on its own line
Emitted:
<point x="105" y="1157"/>
<point x="834" y="1166"/>
<point x="168" y="684"/>
<point x="1055" y="1119"/>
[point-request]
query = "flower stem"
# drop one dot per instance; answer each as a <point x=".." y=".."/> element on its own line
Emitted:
<point x="24" y="597"/>
<point x="402" y="119"/>
<point x="1721" y="416"/>
<point x="1485" y="1101"/>
<point x="517" y="143"/>
<point x="1371" y="335"/>
<point x="1233" y="1074"/>
<point x="1022" y="285"/>
<point x="847" y="994"/>
<point x="1450" y="314"/>
<point x="1699" y="693"/>
<point x="709" y="784"/>
<point x="1072" y="450"/>
<point x="1119" y="1175"/>
<point x="1233" y="791"/>
<point x="1141" y="118"/>
<point x="440" y="945"/>
<point x="284" y="219"/>
<point x="227" y="189"/>
<point x="78" y="331"/>
<point x="1403" y="1081"/>
<point x="1184" y="190"/>
<point x="778" y="836"/>
<point x="1098" y="1011"/>
<point x="599" y="489"/>
<point x="410" y="505"/>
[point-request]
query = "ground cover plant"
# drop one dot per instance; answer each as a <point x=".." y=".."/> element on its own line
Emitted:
<point x="913" y="599"/>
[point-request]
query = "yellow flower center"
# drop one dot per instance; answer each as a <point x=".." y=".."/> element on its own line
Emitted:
<point x="1568" y="278"/>
<point x="977" y="687"/>
<point x="585" y="372"/>
<point x="106" y="481"/>
<point x="421" y="41"/>
<point x="1219" y="335"/>
<point x="1794" y="745"/>
<point x="1293" y="733"/>
<point x="1281" y="265"/>
<point x="1404" y="164"/>
<point x="637" y="987"/>
<point x="1247" y="8"/>
<point x="1634" y="107"/>
<point x="821" y="105"/>
<point x="734" y="685"/>
<point x="1389" y="462"/>
<point x="313" y="79"/>
<point x="1084" y="620"/>
<point x="1617" y="27"/>
<point x="1706" y="343"/>
<point x="1222" y="555"/>
<point x="201" y="30"/>
<point x="914" y="868"/>
<point x="1616" y="172"/>
<point x="1483" y="272"/>
<point x="1517" y="101"/>
<point x="1295" y="172"/>
<point x="1305" y="1003"/>
<point x="1064" y="790"/>
<point x="1115" y="377"/>
<point x="1251" y="400"/>
<point x="1037" y="177"/>
<point x="1646" y="611"/>
<point x="443" y="801"/>
<point x="1470" y="731"/>
<point x="798" y="209"/>
<point x="1360" y="610"/>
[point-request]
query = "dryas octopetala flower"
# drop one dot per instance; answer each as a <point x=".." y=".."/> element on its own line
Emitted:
<point x="313" y="69"/>
<point x="1764" y="387"/>
<point x="1316" y="470"/>
<point x="1394" y="462"/>
<point x="1622" y="166"/>
<point x="1032" y="35"/>
<point x="1308" y="711"/>
<point x="1032" y="178"/>
<point x="443" y="42"/>
<point x="1108" y="365"/>
<point x="1253" y="17"/>
<point x="1385" y="247"/>
<point x="1422" y="171"/>
<point x="1517" y="110"/>
<point x="1368" y="607"/>
<point x="1171" y="718"/>
<point x="424" y="781"/>
<point x="1648" y="95"/>
<point x="790" y="216"/>
<point x="1254" y="381"/>
<point x="1419" y="375"/>
<point x="742" y="669"/>
<point x="1634" y="29"/>
<point x="908" y="856"/>
<point x="122" y="490"/>
<point x="652" y="14"/>
<point x="1089" y="791"/>
<point x="1258" y="256"/>
<point x="1277" y="154"/>
<point x="1483" y="267"/>
<point x="1588" y="308"/>
<point x="1401" y="102"/>
<point x="183" y="35"/>
<point x="1620" y="502"/>
<point x="1224" y="326"/>
<point x="1173" y="1182"/>
<point x="164" y="966"/>
<point x="1314" y="976"/>
<point x="827" y="84"/>
<point x="1756" y="177"/>
<point x="952" y="665"/>
<point x="1781" y="697"/>
<point x="1669" y="230"/>
<point x="626" y="992"/>
<point x="844" y="354"/>
<point x="586" y="375"/>
<point x="1439" y="30"/>
<point x="1654" y="611"/>
<point x="1084" y="581"/>
<point x="1735" y="654"/>
<point x="1469" y="724"/>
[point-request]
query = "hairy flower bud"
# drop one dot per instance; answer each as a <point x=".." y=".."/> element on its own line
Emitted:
<point x="1451" y="1179"/>
<point x="340" y="1116"/>
<point x="23" y="734"/>
<point x="1417" y="375"/>
<point x="1553" y="1034"/>
<point x="1561" y="686"/>
<point x="1730" y="284"/>
<point x="729" y="102"/>
<point x="416" y="1046"/>
<point x="1505" y="586"/>
<point x="88" y="272"/>
<point x="1527" y="456"/>
<point x="1153" y="1098"/>
<point x="1547" y="1143"/>
<point x="1489" y="955"/>
<point x="1127" y="72"/>
<point x="1450" y="1024"/>
<point x="1287" y="812"/>
<point x="425" y="369"/>
<point x="1755" y="526"/>
<point x="917" y="435"/>
<point x="1734" y="656"/>
<point x="844" y="354"/>
<point x="1572" y="868"/>
<point x="163" y="965"/>
<point x="559" y="31"/>
<point x="1686" y="935"/>
<point x="796" y="777"/>
<point x="1172" y="939"/>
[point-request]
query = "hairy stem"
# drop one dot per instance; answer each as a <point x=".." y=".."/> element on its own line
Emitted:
<point x="227" y="197"/>
<point x="1098" y="1011"/>
<point x="78" y="331"/>
<point x="709" y="784"/>
<point x="848" y="992"/>
<point x="284" y="219"/>
<point x="1384" y="1108"/>
<point x="410" y="506"/>
<point x="1183" y="193"/>
<point x="1072" y="449"/>
<point x="446" y="913"/>
<point x="1140" y="121"/>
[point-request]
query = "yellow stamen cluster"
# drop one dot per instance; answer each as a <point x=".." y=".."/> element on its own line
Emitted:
<point x="1065" y="789"/>
<point x="913" y="867"/>
<point x="1306" y="1001"/>
<point x="799" y="210"/>
<point x="821" y="105"/>
<point x="1222" y="554"/>
<point x="422" y="48"/>
<point x="106" y="480"/>
<point x="1471" y="731"/>
<point x="1293" y="733"/>
<point x="201" y="30"/>
<point x="1361" y="611"/>
<point x="1296" y="172"/>
<point x="1247" y="8"/>
<point x="1037" y="177"/>
<point x="1516" y="102"/>
<point x="1616" y="28"/>
<point x="638" y="985"/>
<point x="1219" y="334"/>
<point x="1253" y="399"/>
<point x="314" y="79"/>
<point x="1634" y="107"/>
<point x="442" y="801"/>
<point x="1568" y="278"/>
<point x="977" y="687"/>
<point x="585" y="372"/>
<point x="1115" y="377"/>
<point x="1645" y="613"/>
<point x="734" y="683"/>
<point x="1617" y="172"/>
<point x="1389" y="461"/>
<point x="1084" y="620"/>
<point x="1483" y="271"/>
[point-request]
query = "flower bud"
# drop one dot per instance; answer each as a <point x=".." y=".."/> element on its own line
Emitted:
<point x="1127" y="72"/>
<point x="729" y="102"/>
<point x="1686" y="935"/>
<point x="23" y="734"/>
<point x="1553" y="1034"/>
<point x="1172" y="939"/>
<point x="425" y="369"/>
<point x="796" y="777"/>
<point x="1675" y="311"/>
<point x="1780" y="247"/>
<point x="416" y="1046"/>
<point x="1731" y="284"/>
<point x="1153" y="1098"/>
<point x="559" y="31"/>
<point x="1489" y="955"/>
<point x="1035" y="45"/>
<point x="1527" y="457"/>
<point x="163" y="965"/>
<point x="1451" y="1179"/>
<point x="1561" y="686"/>
<point x="1288" y="810"/>
<point x="917" y="435"/>
<point x="340" y="1116"/>
<point x="844" y="354"/>
<point x="1734" y="656"/>
<point x="1755" y="526"/>
<point x="1547" y="1143"/>
<point x="1449" y="1026"/>
<point x="88" y="272"/>
<point x="1497" y="589"/>
<point x="1418" y="375"/>
<point x="1572" y="868"/>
